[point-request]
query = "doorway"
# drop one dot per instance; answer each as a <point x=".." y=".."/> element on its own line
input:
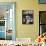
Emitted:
<point x="42" y="22"/>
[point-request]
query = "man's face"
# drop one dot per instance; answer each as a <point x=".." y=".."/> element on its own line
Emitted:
<point x="27" y="17"/>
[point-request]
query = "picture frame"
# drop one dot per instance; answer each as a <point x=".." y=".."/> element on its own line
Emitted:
<point x="42" y="1"/>
<point x="27" y="16"/>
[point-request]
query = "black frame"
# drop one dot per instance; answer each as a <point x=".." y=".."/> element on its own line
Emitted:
<point x="39" y="21"/>
<point x="41" y="2"/>
<point x="24" y="15"/>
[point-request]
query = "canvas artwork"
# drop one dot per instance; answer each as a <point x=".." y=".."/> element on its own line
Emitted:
<point x="27" y="16"/>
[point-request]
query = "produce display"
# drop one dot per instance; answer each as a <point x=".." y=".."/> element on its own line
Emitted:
<point x="41" y="38"/>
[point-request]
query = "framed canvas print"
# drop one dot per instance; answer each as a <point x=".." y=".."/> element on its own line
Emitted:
<point x="27" y="16"/>
<point x="42" y="1"/>
<point x="7" y="20"/>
